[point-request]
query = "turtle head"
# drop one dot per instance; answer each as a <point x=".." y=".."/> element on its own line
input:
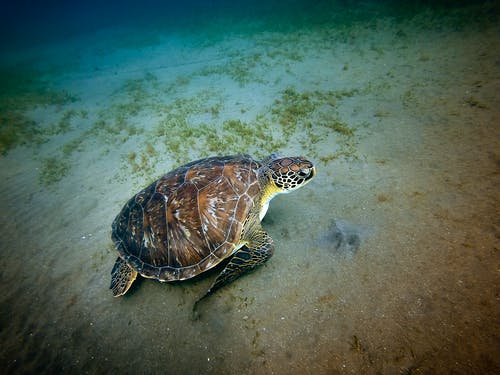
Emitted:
<point x="282" y="175"/>
<point x="289" y="173"/>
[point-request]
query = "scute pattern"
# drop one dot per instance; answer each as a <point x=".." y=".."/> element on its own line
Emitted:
<point x="190" y="219"/>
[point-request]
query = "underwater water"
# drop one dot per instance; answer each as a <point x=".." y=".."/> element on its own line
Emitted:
<point x="386" y="263"/>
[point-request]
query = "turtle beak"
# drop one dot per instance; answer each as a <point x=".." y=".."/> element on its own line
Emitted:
<point x="312" y="174"/>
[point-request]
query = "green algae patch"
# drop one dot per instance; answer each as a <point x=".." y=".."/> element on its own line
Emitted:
<point x="150" y="125"/>
<point x="23" y="89"/>
<point x="294" y="109"/>
<point x="240" y="68"/>
<point x="187" y="128"/>
<point x="311" y="119"/>
<point x="339" y="127"/>
<point x="53" y="169"/>
<point x="16" y="130"/>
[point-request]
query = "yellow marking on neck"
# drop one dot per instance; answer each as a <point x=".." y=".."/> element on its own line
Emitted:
<point x="270" y="191"/>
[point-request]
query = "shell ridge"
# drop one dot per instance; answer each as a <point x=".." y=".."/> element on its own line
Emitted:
<point x="147" y="242"/>
<point x="203" y="231"/>
<point x="167" y="228"/>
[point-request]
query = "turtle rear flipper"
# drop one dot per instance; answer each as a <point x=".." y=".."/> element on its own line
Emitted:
<point x="244" y="260"/>
<point x="122" y="277"/>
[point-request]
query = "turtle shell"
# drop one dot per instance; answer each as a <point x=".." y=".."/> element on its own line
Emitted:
<point x="190" y="219"/>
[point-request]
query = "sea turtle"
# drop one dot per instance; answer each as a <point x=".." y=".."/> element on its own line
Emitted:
<point x="197" y="215"/>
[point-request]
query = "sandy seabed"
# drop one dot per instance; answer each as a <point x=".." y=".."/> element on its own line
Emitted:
<point x="386" y="263"/>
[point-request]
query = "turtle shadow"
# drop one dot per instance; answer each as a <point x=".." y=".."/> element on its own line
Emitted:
<point x="192" y="291"/>
<point x="341" y="238"/>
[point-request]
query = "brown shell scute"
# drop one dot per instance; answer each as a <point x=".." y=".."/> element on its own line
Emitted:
<point x="190" y="219"/>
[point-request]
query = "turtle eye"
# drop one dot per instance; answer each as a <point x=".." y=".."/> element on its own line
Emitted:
<point x="304" y="172"/>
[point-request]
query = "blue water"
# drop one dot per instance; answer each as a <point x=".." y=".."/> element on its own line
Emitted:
<point x="384" y="263"/>
<point x="31" y="22"/>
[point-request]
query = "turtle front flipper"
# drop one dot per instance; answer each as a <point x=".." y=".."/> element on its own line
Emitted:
<point x="122" y="276"/>
<point x="256" y="252"/>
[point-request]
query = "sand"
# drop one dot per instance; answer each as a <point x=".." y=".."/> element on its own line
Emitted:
<point x="386" y="263"/>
